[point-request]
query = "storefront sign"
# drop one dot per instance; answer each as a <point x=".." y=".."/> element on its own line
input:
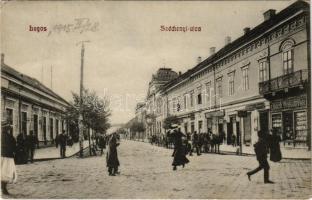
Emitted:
<point x="289" y="103"/>
<point x="242" y="113"/>
<point x="255" y="106"/>
<point x="219" y="113"/>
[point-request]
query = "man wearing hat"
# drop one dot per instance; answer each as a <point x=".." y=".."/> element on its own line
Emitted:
<point x="261" y="150"/>
<point x="8" y="150"/>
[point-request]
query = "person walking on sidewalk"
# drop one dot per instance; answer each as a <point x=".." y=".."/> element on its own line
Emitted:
<point x="62" y="143"/>
<point x="261" y="150"/>
<point x="112" y="161"/>
<point x="8" y="151"/>
<point x="31" y="142"/>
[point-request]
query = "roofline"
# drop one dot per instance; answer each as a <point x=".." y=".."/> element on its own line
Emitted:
<point x="219" y="55"/>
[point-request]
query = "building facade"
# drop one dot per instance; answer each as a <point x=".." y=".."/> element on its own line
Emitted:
<point x="30" y="106"/>
<point x="260" y="81"/>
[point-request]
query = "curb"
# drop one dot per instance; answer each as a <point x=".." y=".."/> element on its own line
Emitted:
<point x="56" y="158"/>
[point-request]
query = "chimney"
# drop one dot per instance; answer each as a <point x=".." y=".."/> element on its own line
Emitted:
<point x="199" y="59"/>
<point x="180" y="73"/>
<point x="246" y="30"/>
<point x="212" y="50"/>
<point x="268" y="14"/>
<point x="2" y="58"/>
<point x="227" y="40"/>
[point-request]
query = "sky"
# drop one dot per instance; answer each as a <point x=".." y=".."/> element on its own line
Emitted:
<point x="125" y="42"/>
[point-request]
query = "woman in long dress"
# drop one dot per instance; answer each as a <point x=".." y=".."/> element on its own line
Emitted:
<point x="8" y="150"/>
<point x="112" y="161"/>
<point x="179" y="154"/>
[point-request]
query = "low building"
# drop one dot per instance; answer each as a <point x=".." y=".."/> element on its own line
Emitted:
<point x="30" y="106"/>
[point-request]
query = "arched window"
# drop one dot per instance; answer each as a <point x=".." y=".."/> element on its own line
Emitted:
<point x="288" y="56"/>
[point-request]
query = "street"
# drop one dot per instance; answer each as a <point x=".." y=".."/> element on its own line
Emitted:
<point x="146" y="172"/>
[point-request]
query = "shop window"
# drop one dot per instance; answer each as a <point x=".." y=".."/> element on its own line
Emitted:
<point x="277" y="123"/>
<point x="301" y="126"/>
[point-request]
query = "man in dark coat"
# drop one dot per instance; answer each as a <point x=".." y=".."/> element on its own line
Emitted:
<point x="261" y="150"/>
<point x="102" y="143"/>
<point x="8" y="151"/>
<point x="196" y="143"/>
<point x="31" y="142"/>
<point x="21" y="150"/>
<point x="62" y="143"/>
<point x="179" y="153"/>
<point x="112" y="161"/>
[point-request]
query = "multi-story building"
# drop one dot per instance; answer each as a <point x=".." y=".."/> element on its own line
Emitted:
<point x="257" y="82"/>
<point x="30" y="106"/>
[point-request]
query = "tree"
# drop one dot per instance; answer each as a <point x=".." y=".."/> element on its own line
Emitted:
<point x="172" y="119"/>
<point x="95" y="112"/>
<point x="137" y="127"/>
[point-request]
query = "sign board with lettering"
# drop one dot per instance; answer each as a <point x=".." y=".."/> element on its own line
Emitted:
<point x="289" y="103"/>
<point x="219" y="113"/>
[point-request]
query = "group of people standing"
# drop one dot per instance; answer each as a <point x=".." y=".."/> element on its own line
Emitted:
<point x="195" y="142"/>
<point x="25" y="148"/>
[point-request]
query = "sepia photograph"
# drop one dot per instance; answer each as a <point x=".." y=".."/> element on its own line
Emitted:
<point x="155" y="99"/>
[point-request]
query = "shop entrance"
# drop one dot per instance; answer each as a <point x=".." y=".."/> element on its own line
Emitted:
<point x="288" y="133"/>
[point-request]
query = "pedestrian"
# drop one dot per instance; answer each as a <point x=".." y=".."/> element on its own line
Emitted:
<point x="275" y="150"/>
<point x="102" y="143"/>
<point x="62" y="142"/>
<point x="261" y="150"/>
<point x="179" y="155"/>
<point x="57" y="140"/>
<point x="21" y="152"/>
<point x="31" y="142"/>
<point x="8" y="151"/>
<point x="112" y="161"/>
<point x="196" y="143"/>
<point x="189" y="143"/>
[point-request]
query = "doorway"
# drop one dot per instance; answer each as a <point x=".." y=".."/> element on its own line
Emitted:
<point x="264" y="122"/>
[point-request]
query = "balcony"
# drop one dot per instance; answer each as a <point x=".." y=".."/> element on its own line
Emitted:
<point x="295" y="79"/>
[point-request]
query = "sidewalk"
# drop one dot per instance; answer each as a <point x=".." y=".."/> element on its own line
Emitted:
<point x="54" y="153"/>
<point x="292" y="153"/>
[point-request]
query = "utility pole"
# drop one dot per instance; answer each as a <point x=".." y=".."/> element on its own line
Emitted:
<point x="81" y="136"/>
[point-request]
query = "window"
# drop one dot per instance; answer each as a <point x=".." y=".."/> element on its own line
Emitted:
<point x="192" y="98"/>
<point x="185" y="102"/>
<point x="178" y="105"/>
<point x="199" y="98"/>
<point x="287" y="54"/>
<point x="263" y="71"/>
<point x="174" y="105"/>
<point x="231" y="84"/>
<point x="24" y="123"/>
<point x="219" y="87"/>
<point x="9" y="116"/>
<point x="245" y="78"/>
<point x="208" y="85"/>
<point x="200" y="126"/>
<point x="288" y="62"/>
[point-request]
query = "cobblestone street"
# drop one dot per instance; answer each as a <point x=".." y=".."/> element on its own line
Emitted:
<point x="146" y="173"/>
